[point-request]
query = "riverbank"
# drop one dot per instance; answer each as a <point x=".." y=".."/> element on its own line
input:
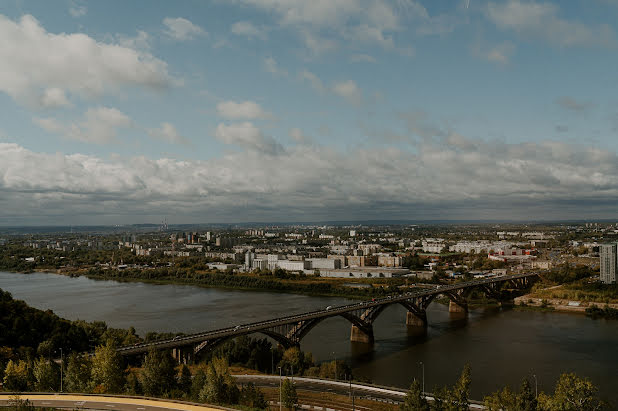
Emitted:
<point x="304" y="285"/>
<point x="560" y="305"/>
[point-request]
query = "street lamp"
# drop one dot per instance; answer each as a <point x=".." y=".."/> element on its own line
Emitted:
<point x="423" y="368"/>
<point x="280" y="406"/>
<point x="61" y="369"/>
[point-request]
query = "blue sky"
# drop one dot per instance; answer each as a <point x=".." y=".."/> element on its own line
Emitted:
<point x="290" y="110"/>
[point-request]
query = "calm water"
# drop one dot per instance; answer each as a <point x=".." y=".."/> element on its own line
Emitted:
<point x="502" y="346"/>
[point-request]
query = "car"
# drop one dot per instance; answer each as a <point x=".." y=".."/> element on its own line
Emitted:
<point x="329" y="307"/>
<point x="236" y="328"/>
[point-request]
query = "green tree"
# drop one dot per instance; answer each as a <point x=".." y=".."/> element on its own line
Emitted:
<point x="572" y="393"/>
<point x="184" y="381"/>
<point x="289" y="397"/>
<point x="220" y="387"/>
<point x="199" y="380"/>
<point x="459" y="398"/>
<point x="526" y="399"/>
<point x="16" y="376"/>
<point x="107" y="369"/>
<point x="133" y="386"/>
<point x="414" y="400"/>
<point x="158" y="373"/>
<point x="78" y="373"/>
<point x="46" y="375"/>
<point x="252" y="397"/>
<point x="502" y="400"/>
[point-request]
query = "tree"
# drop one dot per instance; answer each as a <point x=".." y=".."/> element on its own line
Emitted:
<point x="220" y="387"/>
<point x="78" y="372"/>
<point x="502" y="400"/>
<point x="526" y="399"/>
<point x="570" y="394"/>
<point x="46" y="375"/>
<point x="199" y="380"/>
<point x="16" y="376"/>
<point x="107" y="369"/>
<point x="289" y="398"/>
<point x="414" y="400"/>
<point x="184" y="381"/>
<point x="252" y="397"/>
<point x="133" y="386"/>
<point x="158" y="373"/>
<point x="461" y="390"/>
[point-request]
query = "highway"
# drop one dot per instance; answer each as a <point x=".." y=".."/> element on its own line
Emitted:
<point x="249" y="328"/>
<point x="104" y="402"/>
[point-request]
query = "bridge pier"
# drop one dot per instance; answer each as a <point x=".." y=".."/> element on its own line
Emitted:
<point x="461" y="307"/>
<point x="183" y="355"/>
<point x="416" y="320"/>
<point x="363" y="336"/>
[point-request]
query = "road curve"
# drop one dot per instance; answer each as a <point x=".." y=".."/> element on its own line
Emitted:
<point x="105" y="402"/>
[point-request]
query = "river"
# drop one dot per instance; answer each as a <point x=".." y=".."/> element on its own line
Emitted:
<point x="501" y="345"/>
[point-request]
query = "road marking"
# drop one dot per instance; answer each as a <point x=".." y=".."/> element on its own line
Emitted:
<point x="110" y="405"/>
<point x="140" y="408"/>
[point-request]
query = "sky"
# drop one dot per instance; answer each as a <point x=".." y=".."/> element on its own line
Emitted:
<point x="217" y="111"/>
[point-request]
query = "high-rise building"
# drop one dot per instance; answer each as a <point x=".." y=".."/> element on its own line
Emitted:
<point x="609" y="263"/>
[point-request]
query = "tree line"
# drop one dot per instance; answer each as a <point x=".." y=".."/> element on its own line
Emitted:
<point x="571" y="393"/>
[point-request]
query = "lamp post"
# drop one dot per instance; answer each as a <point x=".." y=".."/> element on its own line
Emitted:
<point x="61" y="369"/>
<point x="423" y="368"/>
<point x="280" y="405"/>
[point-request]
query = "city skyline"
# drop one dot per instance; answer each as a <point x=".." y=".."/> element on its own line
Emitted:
<point x="285" y="110"/>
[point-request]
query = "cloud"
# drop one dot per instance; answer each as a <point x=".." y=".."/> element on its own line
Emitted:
<point x="499" y="54"/>
<point x="450" y="177"/>
<point x="98" y="126"/>
<point x="242" y="110"/>
<point x="314" y="80"/>
<point x="349" y="91"/>
<point x="362" y="58"/>
<point x="569" y="103"/>
<point x="532" y="19"/>
<point x="34" y="63"/>
<point x="167" y="132"/>
<point x="248" y="136"/>
<point x="299" y="137"/>
<point x="182" y="29"/>
<point x="140" y="42"/>
<point x="78" y="10"/>
<point x="320" y="24"/>
<point x="54" y="97"/>
<point x="271" y="66"/>
<point x="247" y="29"/>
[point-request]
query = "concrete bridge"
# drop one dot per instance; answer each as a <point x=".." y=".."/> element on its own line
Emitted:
<point x="290" y="330"/>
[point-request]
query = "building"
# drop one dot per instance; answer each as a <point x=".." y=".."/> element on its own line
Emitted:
<point x="365" y="272"/>
<point x="389" y="260"/>
<point x="325" y="263"/>
<point x="609" y="261"/>
<point x="433" y="245"/>
<point x="293" y="265"/>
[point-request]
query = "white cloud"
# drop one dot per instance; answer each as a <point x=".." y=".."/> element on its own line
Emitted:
<point x="314" y="80"/>
<point x="248" y="136"/>
<point x="248" y="29"/>
<point x="54" y="97"/>
<point x="320" y="22"/>
<point x="182" y="29"/>
<point x="98" y="126"/>
<point x="362" y="58"/>
<point x="530" y="18"/>
<point x="167" y="132"/>
<point x="499" y="54"/>
<point x="448" y="177"/>
<point x="140" y="42"/>
<point x="78" y="10"/>
<point x="33" y="60"/>
<point x="299" y="137"/>
<point x="249" y="110"/>
<point x="349" y="91"/>
<point x="271" y="66"/>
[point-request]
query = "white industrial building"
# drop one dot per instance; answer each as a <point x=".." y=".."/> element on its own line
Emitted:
<point x="609" y="262"/>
